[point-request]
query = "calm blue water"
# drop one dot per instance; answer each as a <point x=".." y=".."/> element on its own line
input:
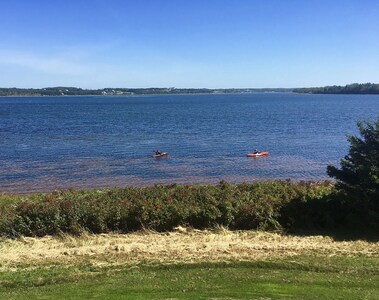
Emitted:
<point x="89" y="142"/>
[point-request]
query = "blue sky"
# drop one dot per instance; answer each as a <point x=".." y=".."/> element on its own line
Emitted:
<point x="181" y="43"/>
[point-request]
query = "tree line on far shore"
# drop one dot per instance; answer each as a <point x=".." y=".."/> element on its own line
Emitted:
<point x="74" y="91"/>
<point x="354" y="88"/>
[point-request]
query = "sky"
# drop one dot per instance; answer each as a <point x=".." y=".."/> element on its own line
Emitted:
<point x="188" y="44"/>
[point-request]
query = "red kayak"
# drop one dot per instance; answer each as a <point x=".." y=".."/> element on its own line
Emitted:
<point x="164" y="154"/>
<point x="258" y="154"/>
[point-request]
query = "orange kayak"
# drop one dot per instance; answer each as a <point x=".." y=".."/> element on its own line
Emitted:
<point x="257" y="154"/>
<point x="164" y="154"/>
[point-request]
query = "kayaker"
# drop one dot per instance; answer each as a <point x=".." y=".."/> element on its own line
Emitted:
<point x="256" y="151"/>
<point x="157" y="152"/>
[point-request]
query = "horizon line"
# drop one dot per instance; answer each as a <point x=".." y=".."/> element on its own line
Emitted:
<point x="178" y="88"/>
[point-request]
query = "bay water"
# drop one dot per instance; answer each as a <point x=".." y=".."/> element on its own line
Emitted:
<point x="49" y="143"/>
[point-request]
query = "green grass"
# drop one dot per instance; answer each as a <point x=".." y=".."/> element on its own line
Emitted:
<point x="307" y="277"/>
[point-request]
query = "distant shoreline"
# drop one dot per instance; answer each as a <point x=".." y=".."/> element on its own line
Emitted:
<point x="142" y="95"/>
<point x="350" y="89"/>
<point x="63" y="91"/>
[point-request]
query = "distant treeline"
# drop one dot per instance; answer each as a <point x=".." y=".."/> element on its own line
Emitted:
<point x="73" y="91"/>
<point x="355" y="88"/>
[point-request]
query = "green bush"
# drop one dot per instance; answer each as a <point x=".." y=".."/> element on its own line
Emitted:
<point x="358" y="179"/>
<point x="268" y="205"/>
<point x="359" y="173"/>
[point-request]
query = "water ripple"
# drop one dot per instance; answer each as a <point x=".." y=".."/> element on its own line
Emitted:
<point x="91" y="142"/>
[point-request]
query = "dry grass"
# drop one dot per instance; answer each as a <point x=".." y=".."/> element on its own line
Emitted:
<point x="182" y="246"/>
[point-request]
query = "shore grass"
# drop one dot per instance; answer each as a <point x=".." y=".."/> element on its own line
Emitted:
<point x="307" y="278"/>
<point x="188" y="264"/>
<point x="269" y="205"/>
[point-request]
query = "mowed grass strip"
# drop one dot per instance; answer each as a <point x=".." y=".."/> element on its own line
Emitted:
<point x="306" y="278"/>
<point x="188" y="264"/>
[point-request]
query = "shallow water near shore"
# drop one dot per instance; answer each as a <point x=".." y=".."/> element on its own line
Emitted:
<point x="52" y="143"/>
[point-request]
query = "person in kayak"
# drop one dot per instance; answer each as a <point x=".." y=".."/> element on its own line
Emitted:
<point x="157" y="152"/>
<point x="256" y="151"/>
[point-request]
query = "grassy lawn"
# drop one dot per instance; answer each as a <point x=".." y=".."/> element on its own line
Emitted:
<point x="301" y="277"/>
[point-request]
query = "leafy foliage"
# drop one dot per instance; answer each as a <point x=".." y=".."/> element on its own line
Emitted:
<point x="161" y="208"/>
<point x="358" y="180"/>
<point x="359" y="173"/>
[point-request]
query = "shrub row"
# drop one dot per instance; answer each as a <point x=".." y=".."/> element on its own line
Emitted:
<point x="269" y="205"/>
